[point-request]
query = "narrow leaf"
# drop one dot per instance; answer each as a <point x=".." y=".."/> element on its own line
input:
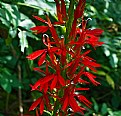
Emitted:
<point x="23" y="40"/>
<point x="110" y="81"/>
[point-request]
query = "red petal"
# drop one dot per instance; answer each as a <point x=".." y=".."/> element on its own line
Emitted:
<point x="77" y="77"/>
<point x="47" y="102"/>
<point x="54" y="82"/>
<point x="68" y="65"/>
<point x="36" y="85"/>
<point x="96" y="32"/>
<point x="42" y="81"/>
<point x="42" y="59"/>
<point x="93" y="40"/>
<point x="58" y="8"/>
<point x="84" y="100"/>
<point x="82" y="89"/>
<point x="75" y="66"/>
<point x="40" y="19"/>
<point x="73" y="30"/>
<point x="87" y="61"/>
<point x="58" y="23"/>
<point x="41" y="107"/>
<point x="45" y="87"/>
<point x="82" y="81"/>
<point x="63" y="9"/>
<point x="61" y="80"/>
<point x="54" y="49"/>
<point x="47" y="79"/>
<point x="91" y="77"/>
<point x="40" y="29"/>
<point x="85" y="53"/>
<point x="54" y="34"/>
<point x="34" y="105"/>
<point x="35" y="54"/>
<point x="37" y="113"/>
<point x="79" y="9"/>
<point x="39" y="70"/>
<point x="65" y="104"/>
<point x="73" y="104"/>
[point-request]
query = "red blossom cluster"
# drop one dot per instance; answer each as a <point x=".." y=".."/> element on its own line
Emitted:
<point x="68" y="60"/>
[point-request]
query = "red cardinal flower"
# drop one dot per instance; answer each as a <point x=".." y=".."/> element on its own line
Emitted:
<point x="89" y="37"/>
<point x="61" y="11"/>
<point x="65" y="61"/>
<point x="69" y="99"/>
<point x="41" y="101"/>
<point x="43" y="29"/>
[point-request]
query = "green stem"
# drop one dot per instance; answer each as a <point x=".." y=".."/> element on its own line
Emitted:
<point x="102" y="97"/>
<point x="70" y="20"/>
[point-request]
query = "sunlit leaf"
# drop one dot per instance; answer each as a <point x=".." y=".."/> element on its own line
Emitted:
<point x="110" y="81"/>
<point x="23" y="40"/>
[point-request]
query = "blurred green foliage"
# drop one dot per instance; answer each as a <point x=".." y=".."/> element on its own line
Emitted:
<point x="17" y="41"/>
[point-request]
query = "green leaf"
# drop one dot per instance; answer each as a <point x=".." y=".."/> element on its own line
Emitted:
<point x="110" y="112"/>
<point x="26" y="23"/>
<point x="99" y="72"/>
<point x="14" y="81"/>
<point x="116" y="101"/>
<point x="113" y="60"/>
<point x="5" y="84"/>
<point x="110" y="81"/>
<point x="117" y="113"/>
<point x="8" y="41"/>
<point x="104" y="109"/>
<point x="60" y="93"/>
<point x="30" y="34"/>
<point x="23" y="40"/>
<point x="1" y="115"/>
<point x="96" y="107"/>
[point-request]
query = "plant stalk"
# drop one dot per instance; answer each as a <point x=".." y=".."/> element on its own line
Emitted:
<point x="20" y="91"/>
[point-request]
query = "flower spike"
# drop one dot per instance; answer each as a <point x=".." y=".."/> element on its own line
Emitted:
<point x="63" y="62"/>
